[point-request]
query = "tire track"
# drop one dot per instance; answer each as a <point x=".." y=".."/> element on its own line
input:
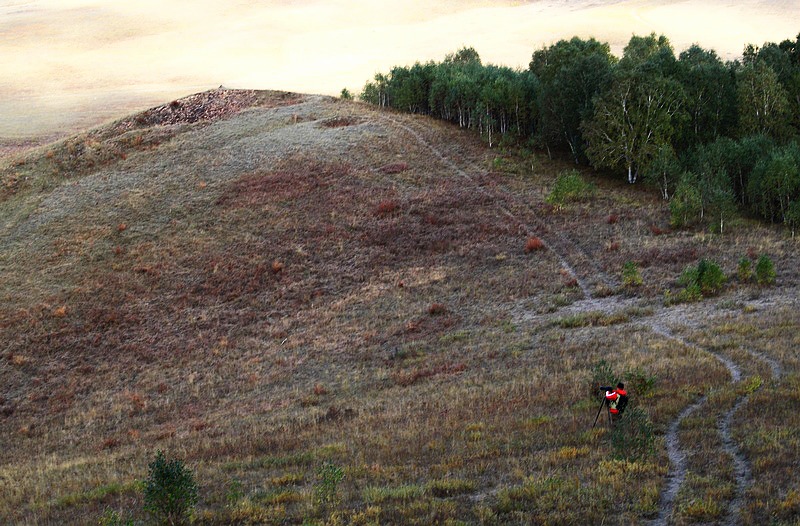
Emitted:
<point x="569" y="256"/>
<point x="741" y="467"/>
<point x="566" y="251"/>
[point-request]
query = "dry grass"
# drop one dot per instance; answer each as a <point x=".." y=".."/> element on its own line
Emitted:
<point x="304" y="281"/>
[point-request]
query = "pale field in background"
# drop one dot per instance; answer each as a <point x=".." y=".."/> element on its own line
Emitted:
<point x="70" y="64"/>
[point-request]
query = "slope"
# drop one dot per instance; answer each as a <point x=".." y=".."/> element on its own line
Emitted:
<point x="262" y="282"/>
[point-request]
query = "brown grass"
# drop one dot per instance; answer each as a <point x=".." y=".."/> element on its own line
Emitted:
<point x="279" y="298"/>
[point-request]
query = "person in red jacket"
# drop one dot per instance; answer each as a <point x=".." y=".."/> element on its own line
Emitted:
<point x="617" y="400"/>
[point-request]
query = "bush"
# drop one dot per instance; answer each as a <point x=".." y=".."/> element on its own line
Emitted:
<point x="630" y="275"/>
<point x="326" y="488"/>
<point x="765" y="271"/>
<point x="706" y="278"/>
<point x="170" y="491"/>
<point x="639" y="382"/>
<point x="570" y="187"/>
<point x="686" y="204"/>
<point x="602" y="374"/>
<point x="632" y="438"/>
<point x="745" y="270"/>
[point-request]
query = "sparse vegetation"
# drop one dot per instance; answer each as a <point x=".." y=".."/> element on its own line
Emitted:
<point x="268" y="320"/>
<point x="633" y="437"/>
<point x="631" y="277"/>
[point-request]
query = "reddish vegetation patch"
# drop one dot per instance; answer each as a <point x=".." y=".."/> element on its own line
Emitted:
<point x="410" y="377"/>
<point x="293" y="180"/>
<point x="339" y="122"/>
<point x="676" y="255"/>
<point x="612" y="219"/>
<point x="393" y="168"/>
<point x="533" y="243"/>
<point x="436" y="309"/>
<point x="657" y="231"/>
<point x="385" y="208"/>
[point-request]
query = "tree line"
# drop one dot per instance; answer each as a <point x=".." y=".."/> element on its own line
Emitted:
<point x="714" y="137"/>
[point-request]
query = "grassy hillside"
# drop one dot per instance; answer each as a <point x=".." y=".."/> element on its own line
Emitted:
<point x="262" y="284"/>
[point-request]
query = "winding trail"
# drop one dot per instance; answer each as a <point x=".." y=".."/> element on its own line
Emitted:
<point x="572" y="258"/>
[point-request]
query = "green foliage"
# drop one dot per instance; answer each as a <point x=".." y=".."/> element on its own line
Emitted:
<point x="234" y="493"/>
<point x="663" y="171"/>
<point x="114" y="518"/>
<point x="572" y="73"/>
<point x="686" y="205"/>
<point x="170" y="490"/>
<point x="730" y="128"/>
<point x="326" y="488"/>
<point x="630" y="275"/>
<point x="744" y="270"/>
<point x="706" y="278"/>
<point x="601" y="375"/>
<point x="570" y="187"/>
<point x="632" y="437"/>
<point x="762" y="101"/>
<point x="792" y="216"/>
<point x="765" y="271"/>
<point x="345" y="94"/>
<point x="639" y="382"/>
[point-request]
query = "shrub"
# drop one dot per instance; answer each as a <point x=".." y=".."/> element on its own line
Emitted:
<point x="329" y="475"/>
<point x="570" y="187"/>
<point x="765" y="271"/>
<point x="345" y="94"/>
<point x="602" y="374"/>
<point x="745" y="270"/>
<point x="632" y="437"/>
<point x="533" y="243"/>
<point x="170" y="490"/>
<point x="630" y="275"/>
<point x="686" y="204"/>
<point x="639" y="382"/>
<point x="705" y="279"/>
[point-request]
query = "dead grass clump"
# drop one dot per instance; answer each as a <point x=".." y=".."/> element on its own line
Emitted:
<point x="657" y="230"/>
<point x="385" y="208"/>
<point x="437" y="309"/>
<point x="393" y="168"/>
<point x="340" y="122"/>
<point x="533" y="243"/>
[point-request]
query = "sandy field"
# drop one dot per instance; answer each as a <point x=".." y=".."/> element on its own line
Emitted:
<point x="70" y="64"/>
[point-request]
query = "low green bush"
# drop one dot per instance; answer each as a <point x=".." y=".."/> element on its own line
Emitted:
<point x="765" y="271"/>
<point x="170" y="491"/>
<point x="570" y="187"/>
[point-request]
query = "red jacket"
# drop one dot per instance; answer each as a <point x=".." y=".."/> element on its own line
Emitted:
<point x="613" y="398"/>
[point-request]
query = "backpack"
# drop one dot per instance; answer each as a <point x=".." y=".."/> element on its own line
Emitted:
<point x="621" y="403"/>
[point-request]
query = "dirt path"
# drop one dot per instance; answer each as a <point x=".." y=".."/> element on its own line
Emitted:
<point x="572" y="258"/>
